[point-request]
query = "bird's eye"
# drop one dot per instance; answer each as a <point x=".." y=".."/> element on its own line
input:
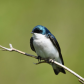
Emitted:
<point x="37" y="30"/>
<point x="40" y="31"/>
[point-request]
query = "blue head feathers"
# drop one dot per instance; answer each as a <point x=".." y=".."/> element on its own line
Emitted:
<point x="40" y="29"/>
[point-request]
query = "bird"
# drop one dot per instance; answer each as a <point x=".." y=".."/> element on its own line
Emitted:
<point x="45" y="45"/>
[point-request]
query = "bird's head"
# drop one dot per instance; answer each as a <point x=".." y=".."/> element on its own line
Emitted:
<point x="40" y="30"/>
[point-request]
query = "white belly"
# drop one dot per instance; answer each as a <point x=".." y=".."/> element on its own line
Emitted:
<point x="45" y="48"/>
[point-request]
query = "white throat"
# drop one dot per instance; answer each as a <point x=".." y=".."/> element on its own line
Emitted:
<point x="38" y="36"/>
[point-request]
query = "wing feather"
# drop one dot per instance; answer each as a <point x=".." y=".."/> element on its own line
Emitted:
<point x="56" y="44"/>
<point x="31" y="44"/>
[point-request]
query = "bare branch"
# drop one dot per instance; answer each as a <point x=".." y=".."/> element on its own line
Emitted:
<point x="13" y="49"/>
<point x="69" y="70"/>
<point x="81" y="81"/>
<point x="45" y="61"/>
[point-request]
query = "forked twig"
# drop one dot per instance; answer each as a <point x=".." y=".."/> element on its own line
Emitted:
<point x="81" y="80"/>
<point x="13" y="49"/>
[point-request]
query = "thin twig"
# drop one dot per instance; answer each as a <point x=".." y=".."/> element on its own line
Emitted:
<point x="81" y="81"/>
<point x="50" y="60"/>
<point x="13" y="49"/>
<point x="69" y="70"/>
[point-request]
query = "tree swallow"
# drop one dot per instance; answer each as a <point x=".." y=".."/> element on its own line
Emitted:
<point x="46" y="46"/>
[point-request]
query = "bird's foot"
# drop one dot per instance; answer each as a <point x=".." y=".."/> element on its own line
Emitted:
<point x="47" y="60"/>
<point x="39" y="58"/>
<point x="40" y="62"/>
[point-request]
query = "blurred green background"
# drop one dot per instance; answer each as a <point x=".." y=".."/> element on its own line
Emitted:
<point x="64" y="18"/>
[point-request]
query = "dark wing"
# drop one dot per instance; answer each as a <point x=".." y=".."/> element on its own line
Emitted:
<point x="31" y="44"/>
<point x="55" y="43"/>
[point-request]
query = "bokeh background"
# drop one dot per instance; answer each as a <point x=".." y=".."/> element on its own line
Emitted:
<point x="64" y="18"/>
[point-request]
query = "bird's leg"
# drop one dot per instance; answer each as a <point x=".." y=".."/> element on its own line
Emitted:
<point x="39" y="58"/>
<point x="40" y="62"/>
<point x="45" y="60"/>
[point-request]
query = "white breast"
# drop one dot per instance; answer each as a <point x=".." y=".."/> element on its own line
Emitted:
<point x="44" y="47"/>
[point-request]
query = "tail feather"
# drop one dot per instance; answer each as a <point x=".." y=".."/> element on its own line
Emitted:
<point x="56" y="71"/>
<point x="63" y="70"/>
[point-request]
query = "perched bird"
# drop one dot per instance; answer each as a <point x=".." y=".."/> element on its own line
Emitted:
<point x="46" y="46"/>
